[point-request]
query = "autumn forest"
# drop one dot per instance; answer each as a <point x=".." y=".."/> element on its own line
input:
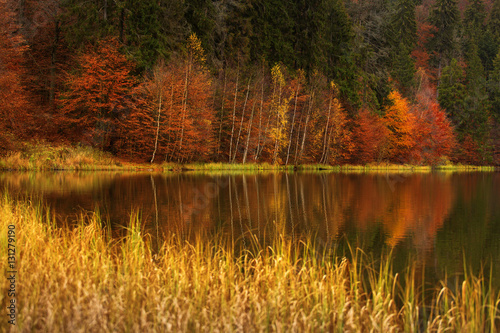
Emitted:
<point x="235" y="81"/>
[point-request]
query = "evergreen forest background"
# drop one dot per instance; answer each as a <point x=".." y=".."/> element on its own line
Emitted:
<point x="287" y="82"/>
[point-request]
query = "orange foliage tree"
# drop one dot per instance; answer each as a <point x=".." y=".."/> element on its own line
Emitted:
<point x="14" y="107"/>
<point x="172" y="114"/>
<point x="94" y="90"/>
<point x="401" y="124"/>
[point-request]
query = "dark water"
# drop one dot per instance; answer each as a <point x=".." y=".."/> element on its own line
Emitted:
<point x="441" y="220"/>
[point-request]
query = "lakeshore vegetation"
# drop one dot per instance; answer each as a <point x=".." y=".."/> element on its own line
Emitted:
<point x="87" y="277"/>
<point x="328" y="82"/>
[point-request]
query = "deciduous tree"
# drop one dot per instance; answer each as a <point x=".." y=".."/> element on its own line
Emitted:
<point x="370" y="135"/>
<point x="93" y="91"/>
<point x="400" y="123"/>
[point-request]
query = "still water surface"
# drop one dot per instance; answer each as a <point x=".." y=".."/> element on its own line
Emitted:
<point x="437" y="219"/>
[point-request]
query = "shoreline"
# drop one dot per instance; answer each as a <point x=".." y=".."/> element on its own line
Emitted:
<point x="79" y="158"/>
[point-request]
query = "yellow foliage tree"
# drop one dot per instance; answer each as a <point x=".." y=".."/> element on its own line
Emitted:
<point x="196" y="51"/>
<point x="279" y="109"/>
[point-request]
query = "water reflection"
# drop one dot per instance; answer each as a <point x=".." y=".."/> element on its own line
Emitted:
<point x="438" y="216"/>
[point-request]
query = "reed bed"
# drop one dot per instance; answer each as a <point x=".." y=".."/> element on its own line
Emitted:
<point x="81" y="279"/>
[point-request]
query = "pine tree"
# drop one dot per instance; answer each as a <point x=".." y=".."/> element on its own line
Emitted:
<point x="403" y="39"/>
<point x="476" y="101"/>
<point x="494" y="21"/>
<point x="371" y="51"/>
<point x="474" y="20"/>
<point x="232" y="31"/>
<point x="153" y="30"/>
<point x="273" y="31"/>
<point x="403" y="69"/>
<point x="200" y="16"/>
<point x="452" y="93"/>
<point x="445" y="17"/>
<point x="494" y="88"/>
<point x="489" y="44"/>
<point x="404" y="24"/>
<point x="91" y="21"/>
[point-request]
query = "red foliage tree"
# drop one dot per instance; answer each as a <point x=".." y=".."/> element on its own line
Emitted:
<point x="468" y="152"/>
<point x="434" y="135"/>
<point x="370" y="135"/>
<point x="425" y="32"/>
<point x="94" y="90"/>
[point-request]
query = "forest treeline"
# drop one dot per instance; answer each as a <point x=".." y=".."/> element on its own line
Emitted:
<point x="289" y="82"/>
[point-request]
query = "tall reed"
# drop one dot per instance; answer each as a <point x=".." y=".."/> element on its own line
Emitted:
<point x="83" y="279"/>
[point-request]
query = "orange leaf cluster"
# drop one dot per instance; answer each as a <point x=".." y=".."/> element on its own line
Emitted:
<point x="401" y="125"/>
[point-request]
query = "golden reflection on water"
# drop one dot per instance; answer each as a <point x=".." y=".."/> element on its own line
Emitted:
<point x="405" y="205"/>
<point x="442" y="217"/>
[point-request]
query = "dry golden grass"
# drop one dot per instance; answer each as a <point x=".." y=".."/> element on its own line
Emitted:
<point x="47" y="157"/>
<point x="81" y="280"/>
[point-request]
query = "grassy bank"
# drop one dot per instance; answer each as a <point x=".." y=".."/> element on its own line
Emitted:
<point x="80" y="279"/>
<point x="44" y="157"/>
<point x="38" y="157"/>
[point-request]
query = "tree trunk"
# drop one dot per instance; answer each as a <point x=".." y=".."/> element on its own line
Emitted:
<point x="184" y="107"/>
<point x="170" y="141"/>
<point x="122" y="25"/>
<point x="241" y="123"/>
<point x="293" y="125"/>
<point x="260" y="118"/>
<point x="248" y="134"/>
<point x="278" y="127"/>
<point x="305" y="126"/>
<point x="234" y="114"/>
<point x="325" y="136"/>
<point x="53" y="64"/>
<point x="22" y="18"/>
<point x="298" y="139"/>
<point x="221" y="115"/>
<point x="105" y="10"/>
<point x="157" y="125"/>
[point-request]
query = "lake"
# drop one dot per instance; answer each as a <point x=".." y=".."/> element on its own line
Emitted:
<point x="438" y="219"/>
